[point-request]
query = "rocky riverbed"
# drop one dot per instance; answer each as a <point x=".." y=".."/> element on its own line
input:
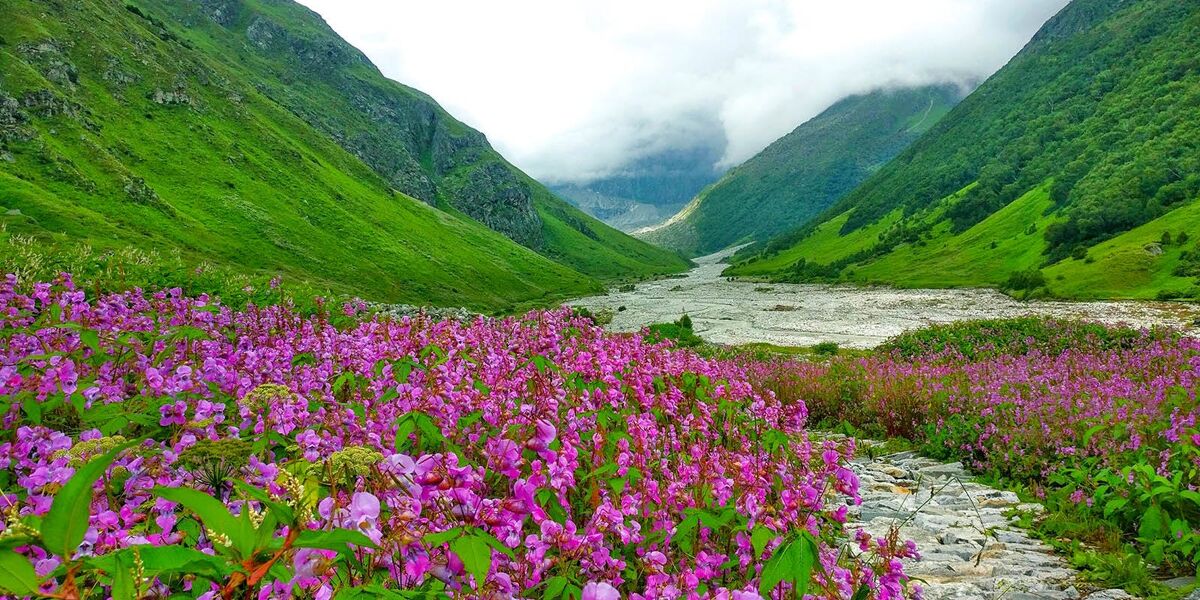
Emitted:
<point x="969" y="546"/>
<point x="738" y="312"/>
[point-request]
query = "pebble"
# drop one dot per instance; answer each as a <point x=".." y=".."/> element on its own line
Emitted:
<point x="968" y="547"/>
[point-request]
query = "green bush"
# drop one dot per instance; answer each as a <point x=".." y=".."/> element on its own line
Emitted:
<point x="987" y="338"/>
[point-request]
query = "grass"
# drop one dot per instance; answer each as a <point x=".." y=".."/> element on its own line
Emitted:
<point x="1123" y="268"/>
<point x="1010" y="240"/>
<point x="238" y="179"/>
<point x="986" y="254"/>
<point x="824" y="246"/>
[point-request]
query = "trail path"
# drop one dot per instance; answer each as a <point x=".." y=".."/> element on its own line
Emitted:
<point x="969" y="548"/>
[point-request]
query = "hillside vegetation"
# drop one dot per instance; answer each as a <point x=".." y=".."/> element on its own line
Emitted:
<point x="1077" y="158"/>
<point x="805" y="171"/>
<point x="247" y="136"/>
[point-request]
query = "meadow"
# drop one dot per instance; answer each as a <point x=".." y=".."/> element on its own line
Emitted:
<point x="157" y="443"/>
<point x="1097" y="423"/>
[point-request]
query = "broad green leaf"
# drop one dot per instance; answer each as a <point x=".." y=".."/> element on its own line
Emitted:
<point x="212" y="513"/>
<point x="476" y="555"/>
<point x="1114" y="505"/>
<point x="495" y="543"/>
<point x="338" y="540"/>
<point x="1190" y="495"/>
<point x="67" y="522"/>
<point x="1087" y="436"/>
<point x="122" y="578"/>
<point x="1151" y="526"/>
<point x="760" y="538"/>
<point x="802" y="557"/>
<point x="91" y="339"/>
<point x="439" y="538"/>
<point x="17" y="575"/>
<point x="774" y="572"/>
<point x="554" y="587"/>
<point x="166" y="560"/>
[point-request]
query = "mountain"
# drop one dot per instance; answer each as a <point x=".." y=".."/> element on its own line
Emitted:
<point x="247" y="134"/>
<point x="1072" y="171"/>
<point x="805" y="171"/>
<point x="650" y="189"/>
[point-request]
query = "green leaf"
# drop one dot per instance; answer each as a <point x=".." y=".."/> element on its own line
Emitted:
<point x="555" y="587"/>
<point x="91" y="339"/>
<point x="283" y="513"/>
<point x="338" y="540"/>
<point x="17" y="575"/>
<point x="67" y="522"/>
<point x="1151" y="526"/>
<point x="1087" y="436"/>
<point x="774" y="572"/>
<point x="1190" y="495"/>
<point x="682" y="536"/>
<point x="212" y="513"/>
<point x="164" y="560"/>
<point x="476" y="555"/>
<point x="122" y="578"/>
<point x="803" y="556"/>
<point x="439" y="538"/>
<point x="791" y="562"/>
<point x="495" y="543"/>
<point x="760" y="538"/>
<point x="1114" y="505"/>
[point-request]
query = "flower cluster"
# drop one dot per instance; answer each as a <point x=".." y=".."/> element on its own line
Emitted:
<point x="591" y="464"/>
<point x="1089" y="418"/>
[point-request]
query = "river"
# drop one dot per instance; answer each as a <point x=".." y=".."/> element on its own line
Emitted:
<point x="788" y="314"/>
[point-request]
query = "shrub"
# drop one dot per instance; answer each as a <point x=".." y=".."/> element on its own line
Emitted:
<point x="1027" y="280"/>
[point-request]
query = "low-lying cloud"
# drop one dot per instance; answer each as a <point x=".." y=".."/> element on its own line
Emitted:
<point x="571" y="90"/>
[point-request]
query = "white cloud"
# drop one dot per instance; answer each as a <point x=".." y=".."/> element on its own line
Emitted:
<point x="572" y="89"/>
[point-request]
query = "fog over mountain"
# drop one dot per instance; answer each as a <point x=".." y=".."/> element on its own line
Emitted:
<point x="575" y="91"/>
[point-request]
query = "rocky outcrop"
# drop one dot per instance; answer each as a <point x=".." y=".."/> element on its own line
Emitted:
<point x="49" y="57"/>
<point x="496" y="197"/>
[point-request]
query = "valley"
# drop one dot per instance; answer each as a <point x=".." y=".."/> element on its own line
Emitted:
<point x="742" y="311"/>
<point x="733" y="301"/>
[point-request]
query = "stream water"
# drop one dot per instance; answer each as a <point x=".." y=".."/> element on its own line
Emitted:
<point x="738" y="312"/>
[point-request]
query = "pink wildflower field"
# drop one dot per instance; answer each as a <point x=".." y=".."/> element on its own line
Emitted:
<point x="159" y="444"/>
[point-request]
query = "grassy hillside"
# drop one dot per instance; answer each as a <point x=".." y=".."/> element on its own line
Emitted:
<point x="296" y="60"/>
<point x="116" y="132"/>
<point x="805" y="171"/>
<point x="1087" y="136"/>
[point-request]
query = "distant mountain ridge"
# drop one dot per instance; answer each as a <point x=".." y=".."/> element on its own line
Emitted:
<point x="805" y="171"/>
<point x="1073" y="171"/>
<point x="650" y="189"/>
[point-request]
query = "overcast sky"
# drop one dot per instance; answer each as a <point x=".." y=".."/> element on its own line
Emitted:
<point x="572" y="89"/>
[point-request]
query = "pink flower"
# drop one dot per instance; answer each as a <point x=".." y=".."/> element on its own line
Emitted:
<point x="600" y="591"/>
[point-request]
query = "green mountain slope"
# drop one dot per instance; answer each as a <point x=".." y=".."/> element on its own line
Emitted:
<point x="805" y="171"/>
<point x="138" y="125"/>
<point x="295" y="59"/>
<point x="1091" y="131"/>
